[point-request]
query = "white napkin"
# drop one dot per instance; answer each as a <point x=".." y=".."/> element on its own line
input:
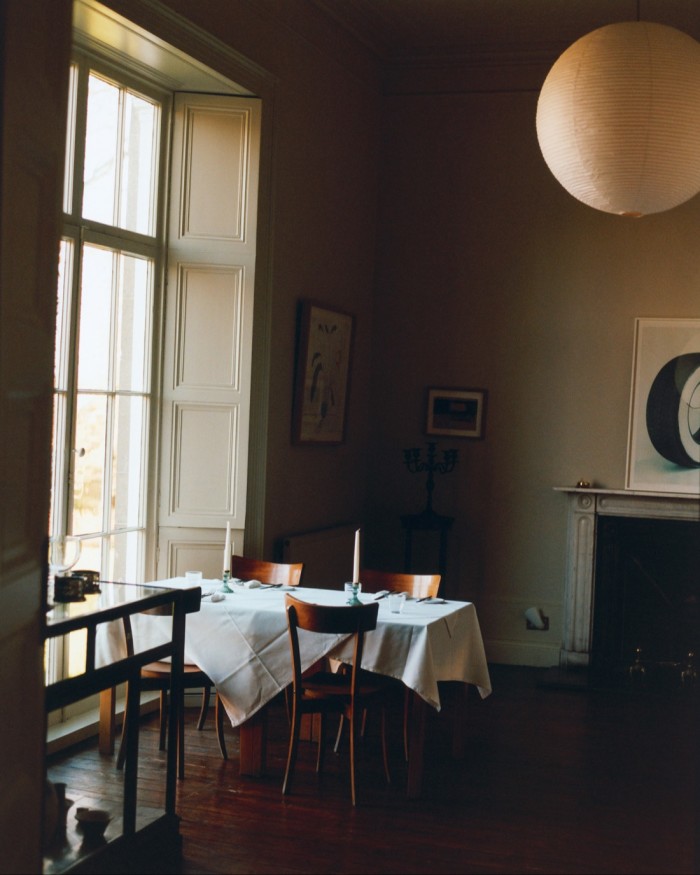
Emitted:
<point x="248" y="584"/>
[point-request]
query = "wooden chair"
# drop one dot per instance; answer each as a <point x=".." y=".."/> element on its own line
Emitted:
<point x="266" y="572"/>
<point x="325" y="692"/>
<point x="278" y="573"/>
<point x="415" y="585"/>
<point x="156" y="676"/>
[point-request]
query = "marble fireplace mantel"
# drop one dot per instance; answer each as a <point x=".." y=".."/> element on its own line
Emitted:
<point x="584" y="506"/>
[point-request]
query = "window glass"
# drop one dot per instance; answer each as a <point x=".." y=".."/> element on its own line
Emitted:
<point x="68" y="173"/>
<point x="128" y="461"/>
<point x="125" y="551"/>
<point x="121" y="157"/>
<point x="134" y="303"/>
<point x="101" y="151"/>
<point x="89" y="473"/>
<point x="139" y="165"/>
<point x="95" y="317"/>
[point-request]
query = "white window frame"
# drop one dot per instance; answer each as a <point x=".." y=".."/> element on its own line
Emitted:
<point x="78" y="231"/>
<point x="145" y="62"/>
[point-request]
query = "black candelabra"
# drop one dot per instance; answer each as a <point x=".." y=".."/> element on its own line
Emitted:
<point x="414" y="463"/>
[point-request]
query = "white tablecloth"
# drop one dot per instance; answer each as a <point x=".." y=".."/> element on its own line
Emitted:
<point x="242" y="644"/>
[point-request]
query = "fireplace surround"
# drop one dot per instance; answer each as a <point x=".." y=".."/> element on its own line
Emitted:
<point x="585" y="507"/>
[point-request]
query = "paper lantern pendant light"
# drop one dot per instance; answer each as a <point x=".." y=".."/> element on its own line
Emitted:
<point x="618" y="118"/>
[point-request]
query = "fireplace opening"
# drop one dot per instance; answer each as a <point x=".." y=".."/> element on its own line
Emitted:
<point x="646" y="617"/>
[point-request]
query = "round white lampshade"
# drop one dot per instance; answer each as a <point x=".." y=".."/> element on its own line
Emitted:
<point x="618" y="118"/>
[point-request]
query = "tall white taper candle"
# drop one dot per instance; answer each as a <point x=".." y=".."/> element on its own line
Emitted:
<point x="227" y="548"/>
<point x="356" y="560"/>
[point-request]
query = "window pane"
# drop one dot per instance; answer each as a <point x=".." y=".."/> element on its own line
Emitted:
<point x="101" y="151"/>
<point x="58" y="473"/>
<point x="68" y="177"/>
<point x="77" y="645"/>
<point x="88" y="489"/>
<point x="128" y="461"/>
<point x="60" y="398"/>
<point x="65" y="280"/>
<point x="91" y="554"/>
<point x="138" y="176"/>
<point x="133" y="324"/>
<point x="95" y="310"/>
<point x="125" y="556"/>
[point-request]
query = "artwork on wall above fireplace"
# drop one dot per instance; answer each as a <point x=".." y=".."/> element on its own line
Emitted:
<point x="663" y="450"/>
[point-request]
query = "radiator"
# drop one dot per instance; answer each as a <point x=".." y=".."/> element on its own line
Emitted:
<point x="327" y="554"/>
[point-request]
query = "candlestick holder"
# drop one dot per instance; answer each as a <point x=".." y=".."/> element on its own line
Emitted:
<point x="225" y="580"/>
<point x="414" y="463"/>
<point x="353" y="600"/>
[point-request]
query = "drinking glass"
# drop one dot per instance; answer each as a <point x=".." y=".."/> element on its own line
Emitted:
<point x="396" y="602"/>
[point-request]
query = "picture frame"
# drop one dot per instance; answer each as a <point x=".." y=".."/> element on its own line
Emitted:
<point x="663" y="447"/>
<point x="322" y="374"/>
<point x="456" y="412"/>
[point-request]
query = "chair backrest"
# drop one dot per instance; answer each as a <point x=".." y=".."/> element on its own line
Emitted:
<point x="329" y="619"/>
<point x="417" y="585"/>
<point x="266" y="572"/>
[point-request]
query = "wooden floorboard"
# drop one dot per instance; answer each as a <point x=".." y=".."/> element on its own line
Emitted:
<point x="553" y="780"/>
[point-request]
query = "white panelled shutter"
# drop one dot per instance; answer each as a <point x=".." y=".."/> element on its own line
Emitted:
<point x="208" y="330"/>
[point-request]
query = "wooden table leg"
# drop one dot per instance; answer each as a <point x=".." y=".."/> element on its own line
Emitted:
<point x="107" y="720"/>
<point x="253" y="744"/>
<point x="416" y="746"/>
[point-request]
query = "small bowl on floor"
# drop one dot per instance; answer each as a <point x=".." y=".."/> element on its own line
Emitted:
<point x="92" y="822"/>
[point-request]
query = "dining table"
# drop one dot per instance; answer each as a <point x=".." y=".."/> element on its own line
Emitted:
<point x="240" y="640"/>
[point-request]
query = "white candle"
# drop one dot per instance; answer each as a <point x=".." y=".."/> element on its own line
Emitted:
<point x="356" y="561"/>
<point x="227" y="548"/>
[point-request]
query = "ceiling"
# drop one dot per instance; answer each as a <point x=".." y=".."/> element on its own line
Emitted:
<point x="405" y="30"/>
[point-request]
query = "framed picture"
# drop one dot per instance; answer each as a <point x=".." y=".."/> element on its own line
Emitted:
<point x="663" y="447"/>
<point x="456" y="412"/>
<point x="322" y="375"/>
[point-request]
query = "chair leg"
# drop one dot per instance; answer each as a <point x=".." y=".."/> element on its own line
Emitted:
<point x="321" y="742"/>
<point x="219" y="717"/>
<point x="204" y="710"/>
<point x="181" y="738"/>
<point x="163" y="719"/>
<point x="288" y="702"/>
<point x="351" y="718"/>
<point x="340" y="733"/>
<point x="121" y="755"/>
<point x="293" y="748"/>
<point x="406" y="715"/>
<point x="384" y="752"/>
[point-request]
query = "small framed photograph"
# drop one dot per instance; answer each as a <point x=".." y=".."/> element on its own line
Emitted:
<point x="322" y="378"/>
<point x="663" y="448"/>
<point x="456" y="412"/>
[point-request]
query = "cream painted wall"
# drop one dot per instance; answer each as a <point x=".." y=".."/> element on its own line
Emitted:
<point x="485" y="273"/>
<point x="324" y="139"/>
<point x="490" y="275"/>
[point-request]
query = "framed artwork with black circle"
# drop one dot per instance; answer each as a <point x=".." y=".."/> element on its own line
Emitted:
<point x="663" y="449"/>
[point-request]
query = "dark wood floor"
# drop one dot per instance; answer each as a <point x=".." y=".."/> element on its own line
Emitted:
<point x="553" y="781"/>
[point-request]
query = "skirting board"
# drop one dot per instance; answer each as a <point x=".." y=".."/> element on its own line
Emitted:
<point x="521" y="653"/>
